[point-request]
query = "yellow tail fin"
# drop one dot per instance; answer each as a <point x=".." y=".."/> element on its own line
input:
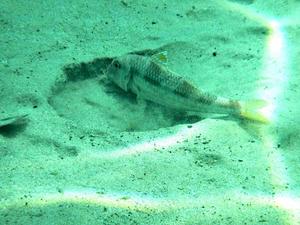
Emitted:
<point x="251" y="110"/>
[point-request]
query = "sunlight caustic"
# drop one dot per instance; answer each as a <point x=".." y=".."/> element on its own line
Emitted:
<point x="274" y="71"/>
<point x="134" y="202"/>
<point x="183" y="134"/>
<point x="270" y="87"/>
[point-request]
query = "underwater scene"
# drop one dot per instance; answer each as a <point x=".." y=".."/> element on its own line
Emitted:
<point x="161" y="112"/>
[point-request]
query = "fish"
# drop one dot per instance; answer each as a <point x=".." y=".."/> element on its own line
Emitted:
<point x="149" y="79"/>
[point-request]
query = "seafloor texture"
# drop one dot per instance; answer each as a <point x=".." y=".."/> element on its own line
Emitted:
<point x="75" y="149"/>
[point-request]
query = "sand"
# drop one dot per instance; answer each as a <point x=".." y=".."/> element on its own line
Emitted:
<point x="90" y="153"/>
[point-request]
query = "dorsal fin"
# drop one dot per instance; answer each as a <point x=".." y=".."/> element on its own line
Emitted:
<point x="160" y="58"/>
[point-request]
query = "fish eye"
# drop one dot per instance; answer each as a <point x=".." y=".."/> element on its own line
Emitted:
<point x="117" y="64"/>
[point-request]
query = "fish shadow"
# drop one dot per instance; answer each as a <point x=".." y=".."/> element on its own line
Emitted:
<point x="13" y="129"/>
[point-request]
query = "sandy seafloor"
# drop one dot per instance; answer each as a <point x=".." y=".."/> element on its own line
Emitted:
<point x="89" y="153"/>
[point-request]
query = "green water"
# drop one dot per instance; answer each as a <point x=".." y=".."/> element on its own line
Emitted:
<point x="77" y="149"/>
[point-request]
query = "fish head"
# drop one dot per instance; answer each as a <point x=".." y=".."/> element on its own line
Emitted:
<point x="119" y="72"/>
